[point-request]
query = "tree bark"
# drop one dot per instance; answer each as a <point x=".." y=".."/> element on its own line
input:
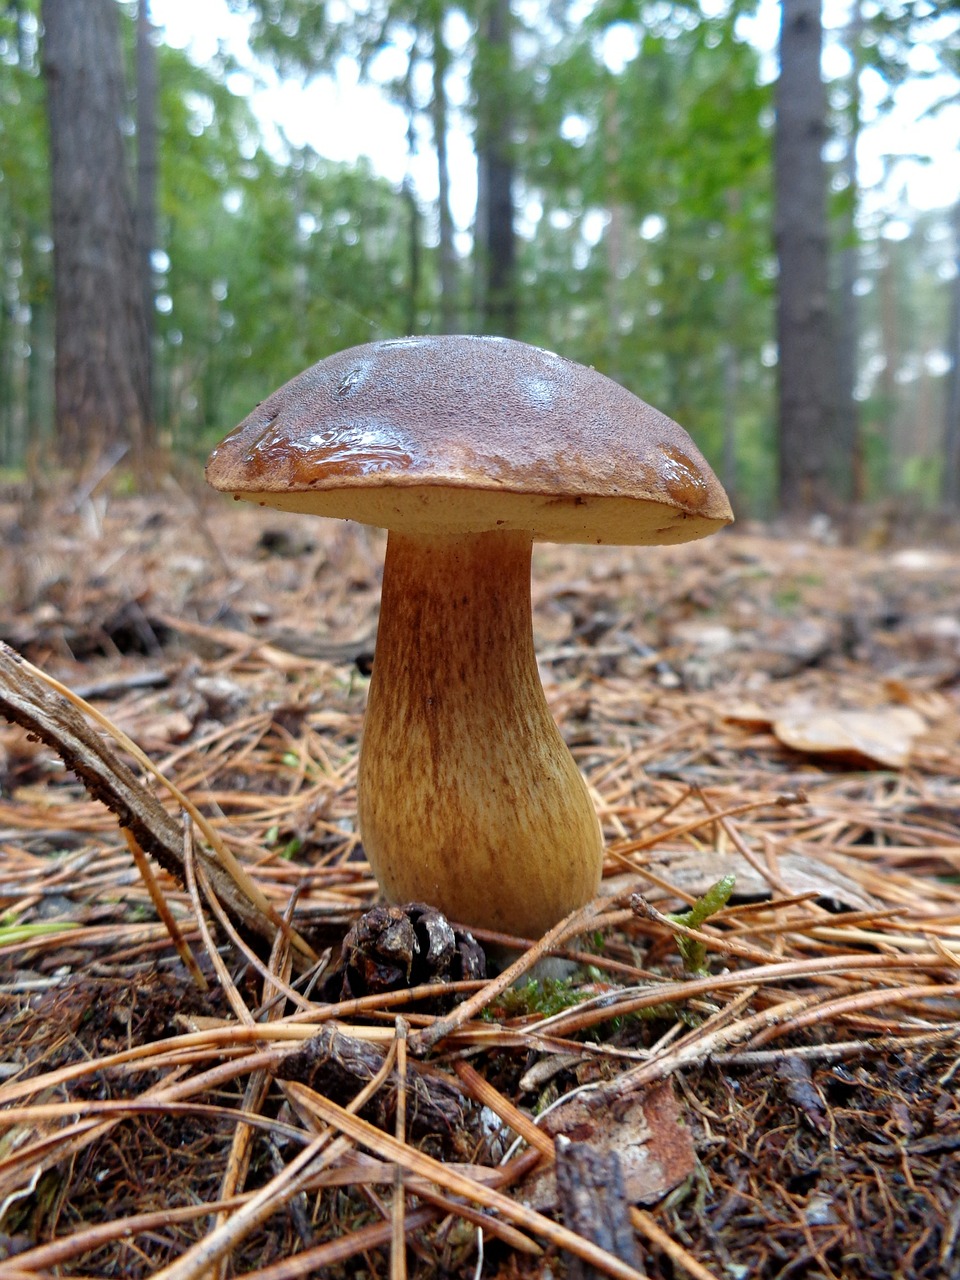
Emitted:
<point x="496" y="239"/>
<point x="448" y="256"/>
<point x="730" y="375"/>
<point x="147" y="188"/>
<point x="615" y="236"/>
<point x="891" y="344"/>
<point x="409" y="194"/>
<point x="101" y="362"/>
<point x="847" y="461"/>
<point x="950" y="483"/>
<point x="807" y="379"/>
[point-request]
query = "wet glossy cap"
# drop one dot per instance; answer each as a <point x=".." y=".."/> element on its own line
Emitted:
<point x="451" y="434"/>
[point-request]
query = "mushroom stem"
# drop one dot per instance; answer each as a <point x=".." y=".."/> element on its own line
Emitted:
<point x="468" y="796"/>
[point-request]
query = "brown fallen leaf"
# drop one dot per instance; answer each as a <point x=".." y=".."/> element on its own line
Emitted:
<point x="645" y="1130"/>
<point x="750" y="715"/>
<point x="883" y="737"/>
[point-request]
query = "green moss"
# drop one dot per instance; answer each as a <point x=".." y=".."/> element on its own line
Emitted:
<point x="544" y="996"/>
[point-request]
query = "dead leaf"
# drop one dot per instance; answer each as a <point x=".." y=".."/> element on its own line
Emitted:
<point x="646" y="1131"/>
<point x="750" y="715"/>
<point x="884" y="737"/>
<point x="694" y="873"/>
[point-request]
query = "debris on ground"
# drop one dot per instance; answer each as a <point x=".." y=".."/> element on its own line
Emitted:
<point x="752" y="1080"/>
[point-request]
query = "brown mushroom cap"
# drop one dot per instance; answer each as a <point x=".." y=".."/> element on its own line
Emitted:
<point x="457" y="434"/>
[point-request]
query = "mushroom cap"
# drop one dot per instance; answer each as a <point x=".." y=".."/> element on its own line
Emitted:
<point x="441" y="435"/>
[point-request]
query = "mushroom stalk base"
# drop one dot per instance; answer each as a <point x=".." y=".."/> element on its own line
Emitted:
<point x="468" y="797"/>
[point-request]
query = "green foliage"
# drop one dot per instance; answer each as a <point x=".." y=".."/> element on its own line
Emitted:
<point x="655" y="184"/>
<point x="26" y="259"/>
<point x="265" y="266"/>
<point x="272" y="264"/>
<point x="678" y="141"/>
<point x="643" y="210"/>
<point x="904" y="311"/>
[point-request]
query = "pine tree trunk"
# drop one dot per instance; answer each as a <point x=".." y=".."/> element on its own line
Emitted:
<point x="807" y="378"/>
<point x="891" y="344"/>
<point x="950" y="482"/>
<point x="497" y="244"/>
<point x="147" y="187"/>
<point x="101" y="364"/>
<point x="409" y="194"/>
<point x="730" y="384"/>
<point x="615" y="235"/>
<point x="448" y="257"/>
<point x="847" y="461"/>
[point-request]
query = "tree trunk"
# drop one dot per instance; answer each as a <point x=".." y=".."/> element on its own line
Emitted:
<point x="6" y="358"/>
<point x="847" y="461"/>
<point x="496" y="239"/>
<point x="101" y="363"/>
<point x="147" y="188"/>
<point x="730" y="387"/>
<point x="615" y="235"/>
<point x="807" y="378"/>
<point x="409" y="193"/>
<point x="448" y="256"/>
<point x="950" y="481"/>
<point x="891" y="345"/>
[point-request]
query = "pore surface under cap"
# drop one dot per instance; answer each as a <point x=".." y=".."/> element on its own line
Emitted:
<point x="467" y="433"/>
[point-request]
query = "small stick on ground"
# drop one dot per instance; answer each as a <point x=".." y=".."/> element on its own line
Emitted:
<point x="398" y="1242"/>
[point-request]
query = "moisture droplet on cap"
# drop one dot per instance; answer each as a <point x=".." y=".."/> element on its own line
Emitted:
<point x="349" y="381"/>
<point x="685" y="485"/>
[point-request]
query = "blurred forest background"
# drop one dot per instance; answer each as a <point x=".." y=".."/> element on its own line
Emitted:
<point x="656" y="196"/>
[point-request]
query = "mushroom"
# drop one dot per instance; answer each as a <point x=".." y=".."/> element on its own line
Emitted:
<point x="467" y="450"/>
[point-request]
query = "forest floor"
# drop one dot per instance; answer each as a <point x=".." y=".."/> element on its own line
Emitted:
<point x="765" y="1088"/>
